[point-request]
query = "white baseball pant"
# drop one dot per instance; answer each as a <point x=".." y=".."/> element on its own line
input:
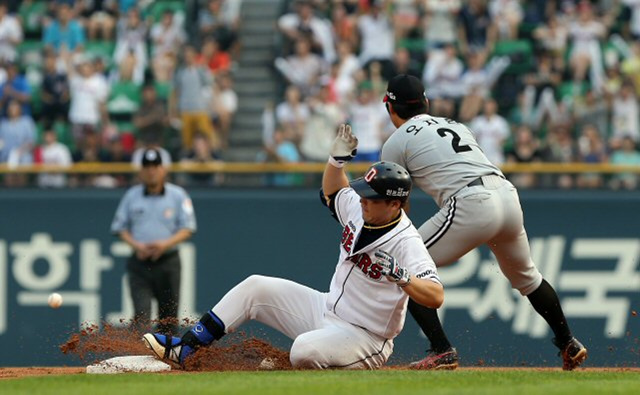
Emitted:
<point x="321" y="339"/>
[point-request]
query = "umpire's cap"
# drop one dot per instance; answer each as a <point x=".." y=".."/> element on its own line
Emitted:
<point x="151" y="157"/>
<point x="405" y="89"/>
<point x="384" y="180"/>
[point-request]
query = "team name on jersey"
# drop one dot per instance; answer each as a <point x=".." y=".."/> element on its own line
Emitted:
<point x="415" y="129"/>
<point x="348" y="235"/>
<point x="368" y="267"/>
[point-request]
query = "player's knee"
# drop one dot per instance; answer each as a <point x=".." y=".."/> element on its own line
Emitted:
<point x="258" y="284"/>
<point x="304" y="355"/>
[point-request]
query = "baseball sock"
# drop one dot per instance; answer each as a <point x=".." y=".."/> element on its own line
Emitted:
<point x="545" y="301"/>
<point x="209" y="328"/>
<point x="430" y="324"/>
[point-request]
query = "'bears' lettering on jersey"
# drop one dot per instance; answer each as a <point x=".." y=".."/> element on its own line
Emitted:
<point x="364" y="262"/>
<point x="347" y="238"/>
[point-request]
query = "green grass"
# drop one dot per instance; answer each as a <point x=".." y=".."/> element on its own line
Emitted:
<point x="519" y="382"/>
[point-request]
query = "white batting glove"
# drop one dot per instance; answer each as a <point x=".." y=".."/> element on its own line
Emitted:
<point x="392" y="270"/>
<point x="343" y="148"/>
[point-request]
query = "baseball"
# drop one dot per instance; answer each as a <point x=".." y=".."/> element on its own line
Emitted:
<point x="55" y="300"/>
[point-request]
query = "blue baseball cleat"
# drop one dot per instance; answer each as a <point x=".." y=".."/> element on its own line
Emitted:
<point x="167" y="347"/>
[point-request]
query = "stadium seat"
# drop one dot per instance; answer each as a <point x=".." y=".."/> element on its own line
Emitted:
<point x="102" y="49"/>
<point x="30" y="53"/>
<point x="157" y="8"/>
<point x="125" y="98"/>
<point x="519" y="51"/>
<point x="31" y="13"/>
<point x="163" y="89"/>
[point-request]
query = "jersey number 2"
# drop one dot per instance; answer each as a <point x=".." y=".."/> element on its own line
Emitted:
<point x="455" y="141"/>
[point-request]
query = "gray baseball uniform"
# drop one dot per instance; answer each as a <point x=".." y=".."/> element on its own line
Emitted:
<point x="477" y="204"/>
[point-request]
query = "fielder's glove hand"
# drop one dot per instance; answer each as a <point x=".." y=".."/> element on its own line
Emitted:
<point x="391" y="269"/>
<point x="343" y="148"/>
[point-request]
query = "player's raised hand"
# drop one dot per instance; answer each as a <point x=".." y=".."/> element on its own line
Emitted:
<point x="391" y="269"/>
<point x="343" y="148"/>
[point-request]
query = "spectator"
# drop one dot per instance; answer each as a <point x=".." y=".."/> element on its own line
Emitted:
<point x="343" y="25"/>
<point x="367" y="117"/>
<point x="15" y="88"/>
<point x="477" y="80"/>
<point x="442" y="74"/>
<point x="491" y="130"/>
<point x="626" y="155"/>
<point x="10" y="34"/>
<point x="151" y="120"/>
<point x="201" y="152"/>
<point x="53" y="153"/>
<point x="347" y="66"/>
<point x="98" y="17"/>
<point x="403" y="63"/>
<point x="475" y="31"/>
<point x="321" y="127"/>
<point x="561" y="148"/>
<point x="525" y="150"/>
<point x="225" y="105"/>
<point x="625" y="113"/>
<point x="17" y="138"/>
<point x="282" y="151"/>
<point x="55" y="91"/>
<point x="213" y="58"/>
<point x="292" y="115"/>
<point x="441" y="22"/>
<point x="219" y="22"/>
<point x="591" y="149"/>
<point x="405" y="18"/>
<point x="131" y="45"/>
<point x="592" y="110"/>
<point x="89" y="92"/>
<point x="65" y="33"/>
<point x="166" y="36"/>
<point x="189" y="102"/>
<point x="552" y="38"/>
<point x="540" y="88"/>
<point x="506" y="15"/>
<point x="302" y="69"/>
<point x="304" y="25"/>
<point x="585" y="33"/>
<point x="376" y="37"/>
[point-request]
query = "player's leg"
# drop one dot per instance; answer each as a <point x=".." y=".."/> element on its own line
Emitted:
<point x="511" y="248"/>
<point x="284" y="305"/>
<point x="139" y="278"/>
<point x="340" y="345"/>
<point x="465" y="222"/>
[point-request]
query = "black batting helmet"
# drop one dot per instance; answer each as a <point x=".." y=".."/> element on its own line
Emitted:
<point x="384" y="180"/>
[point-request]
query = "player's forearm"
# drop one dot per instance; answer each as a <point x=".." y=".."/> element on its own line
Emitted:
<point x="333" y="179"/>
<point x="425" y="292"/>
<point x="128" y="238"/>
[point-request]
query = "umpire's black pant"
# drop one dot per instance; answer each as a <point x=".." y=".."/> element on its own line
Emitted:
<point x="155" y="279"/>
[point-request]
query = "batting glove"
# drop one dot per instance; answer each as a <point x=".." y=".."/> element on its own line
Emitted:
<point x="343" y="148"/>
<point x="392" y="269"/>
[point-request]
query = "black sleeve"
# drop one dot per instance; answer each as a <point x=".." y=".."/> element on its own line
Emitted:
<point x="330" y="203"/>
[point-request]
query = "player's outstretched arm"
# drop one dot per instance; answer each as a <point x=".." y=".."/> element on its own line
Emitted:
<point x="343" y="149"/>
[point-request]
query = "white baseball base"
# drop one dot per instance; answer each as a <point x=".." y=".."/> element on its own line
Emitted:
<point x="129" y="364"/>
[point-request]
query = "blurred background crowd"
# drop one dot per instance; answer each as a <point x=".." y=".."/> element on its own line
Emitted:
<point x="536" y="80"/>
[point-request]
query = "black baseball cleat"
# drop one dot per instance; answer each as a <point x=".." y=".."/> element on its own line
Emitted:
<point x="573" y="353"/>
<point x="447" y="360"/>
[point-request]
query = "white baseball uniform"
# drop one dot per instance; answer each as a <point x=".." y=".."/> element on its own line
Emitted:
<point x="477" y="204"/>
<point x="353" y="325"/>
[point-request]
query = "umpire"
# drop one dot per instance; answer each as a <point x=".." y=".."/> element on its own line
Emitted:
<point x="153" y="218"/>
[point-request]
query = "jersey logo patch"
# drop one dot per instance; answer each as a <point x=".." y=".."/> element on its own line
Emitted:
<point x="364" y="263"/>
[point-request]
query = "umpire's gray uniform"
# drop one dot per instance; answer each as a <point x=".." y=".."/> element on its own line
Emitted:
<point x="149" y="218"/>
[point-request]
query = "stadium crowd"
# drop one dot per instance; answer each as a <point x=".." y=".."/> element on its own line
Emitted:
<point x="536" y="80"/>
<point x="99" y="80"/>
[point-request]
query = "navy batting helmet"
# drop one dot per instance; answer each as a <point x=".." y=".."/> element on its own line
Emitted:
<point x="384" y="180"/>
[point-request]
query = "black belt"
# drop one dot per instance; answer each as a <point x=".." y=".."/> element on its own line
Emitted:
<point x="476" y="182"/>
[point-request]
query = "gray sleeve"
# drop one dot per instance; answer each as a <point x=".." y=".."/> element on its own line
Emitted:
<point x="392" y="152"/>
<point x="186" y="214"/>
<point x="121" y="220"/>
